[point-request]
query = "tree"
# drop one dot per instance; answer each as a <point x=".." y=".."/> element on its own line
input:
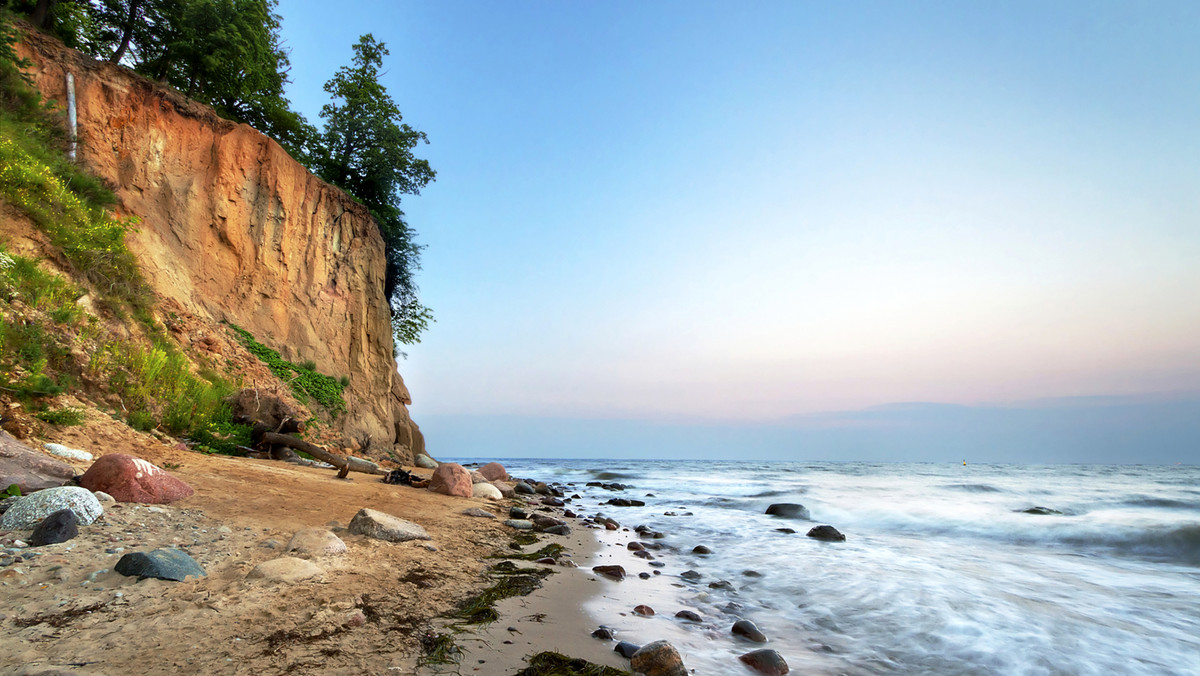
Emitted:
<point x="367" y="150"/>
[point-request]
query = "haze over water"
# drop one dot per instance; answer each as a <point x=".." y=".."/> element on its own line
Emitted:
<point x="942" y="572"/>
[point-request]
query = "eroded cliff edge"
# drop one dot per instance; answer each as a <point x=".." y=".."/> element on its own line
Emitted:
<point x="233" y="229"/>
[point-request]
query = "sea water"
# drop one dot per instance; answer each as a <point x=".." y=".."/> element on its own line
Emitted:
<point x="942" y="570"/>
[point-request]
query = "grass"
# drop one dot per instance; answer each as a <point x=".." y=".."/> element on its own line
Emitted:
<point x="67" y="416"/>
<point x="304" y="379"/>
<point x="557" y="664"/>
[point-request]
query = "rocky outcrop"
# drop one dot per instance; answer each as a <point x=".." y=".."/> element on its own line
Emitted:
<point x="232" y="228"/>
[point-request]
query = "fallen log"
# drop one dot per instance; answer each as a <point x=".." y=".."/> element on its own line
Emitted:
<point x="343" y="463"/>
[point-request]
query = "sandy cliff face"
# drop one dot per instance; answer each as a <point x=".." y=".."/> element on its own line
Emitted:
<point x="232" y="228"/>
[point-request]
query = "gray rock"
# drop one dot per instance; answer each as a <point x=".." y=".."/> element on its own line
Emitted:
<point x="315" y="542"/>
<point x="690" y="575"/>
<point x="611" y="572"/>
<point x="68" y="452"/>
<point x="626" y="649"/>
<point x="286" y="569"/>
<point x="523" y="488"/>
<point x="30" y="469"/>
<point x="689" y="616"/>
<point x="826" y="533"/>
<point x="603" y="633"/>
<point x="658" y="659"/>
<point x="724" y="585"/>
<point x="766" y="662"/>
<point x="701" y="549"/>
<point x="747" y="629"/>
<point x="1040" y="511"/>
<point x="518" y="513"/>
<point x="561" y="529"/>
<point x="31" y="509"/>
<point x="163" y="564"/>
<point x="480" y="513"/>
<point x="425" y="462"/>
<point x="519" y="524"/>
<point x="381" y="526"/>
<point x="104" y="498"/>
<point x="789" y="510"/>
<point x="58" y="527"/>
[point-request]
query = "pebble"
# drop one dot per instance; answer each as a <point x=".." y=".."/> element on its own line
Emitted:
<point x="690" y="575"/>
<point x="725" y="585"/>
<point x="747" y="629"/>
<point x="766" y="662"/>
<point x="689" y="615"/>
<point x="611" y="572"/>
<point x="701" y="549"/>
<point x="644" y="575"/>
<point x="603" y="633"/>
<point x="828" y="533"/>
<point x="643" y="610"/>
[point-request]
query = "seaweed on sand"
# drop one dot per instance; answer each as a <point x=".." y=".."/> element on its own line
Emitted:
<point x="511" y="582"/>
<point x="557" y="664"/>
<point x="523" y="539"/>
<point x="550" y="550"/>
<point x="439" y="649"/>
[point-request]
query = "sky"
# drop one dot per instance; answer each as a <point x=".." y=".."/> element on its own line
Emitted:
<point x="687" y="229"/>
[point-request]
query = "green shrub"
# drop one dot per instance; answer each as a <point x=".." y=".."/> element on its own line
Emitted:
<point x="67" y="416"/>
<point x="142" y="421"/>
<point x="305" y="382"/>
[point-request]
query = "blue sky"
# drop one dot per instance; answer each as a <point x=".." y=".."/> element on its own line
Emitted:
<point x="693" y="216"/>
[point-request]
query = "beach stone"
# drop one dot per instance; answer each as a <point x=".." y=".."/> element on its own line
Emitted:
<point x="381" y="526"/>
<point x="315" y="542"/>
<point x="689" y="615"/>
<point x="506" y="489"/>
<point x="658" y="659"/>
<point x="543" y="521"/>
<point x="643" y="554"/>
<point x="611" y="572"/>
<point x="494" y="471"/>
<point x="611" y="525"/>
<point x="425" y="462"/>
<point x="542" y="488"/>
<point x="477" y="512"/>
<point x="751" y="573"/>
<point x="826" y="533"/>
<point x="519" y="524"/>
<point x="766" y="662"/>
<point x="724" y="585"/>
<point x="523" y="488"/>
<point x="104" y="498"/>
<point x="58" y="527"/>
<point x="486" y="491"/>
<point x="553" y="502"/>
<point x="68" y="452"/>
<point x="561" y="529"/>
<point x="643" y="610"/>
<point x="476" y="477"/>
<point x="701" y="549"/>
<point x="28" y="468"/>
<point x="518" y="513"/>
<point x="130" y="479"/>
<point x="29" y="510"/>
<point x="1040" y="511"/>
<point x="162" y="564"/>
<point x="789" y="531"/>
<point x="789" y="510"/>
<point x="747" y="629"/>
<point x="626" y="649"/>
<point x="285" y="569"/>
<point x="451" y="478"/>
<point x="603" y="633"/>
<point x="635" y="546"/>
<point x="657" y="564"/>
<point x="644" y="575"/>
<point x="690" y="575"/>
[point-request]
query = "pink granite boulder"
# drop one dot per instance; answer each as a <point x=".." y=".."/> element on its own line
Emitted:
<point x="494" y="471"/>
<point x="31" y="470"/>
<point x="130" y="479"/>
<point x="451" y="479"/>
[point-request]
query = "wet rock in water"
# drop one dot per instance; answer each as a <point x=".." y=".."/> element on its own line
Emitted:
<point x="611" y="525"/>
<point x="58" y="527"/>
<point x="451" y="478"/>
<point x="548" y="560"/>
<point x="28" y="468"/>
<point x="603" y="633"/>
<point x="286" y="569"/>
<point x="68" y="452"/>
<point x="560" y="529"/>
<point x="789" y="531"/>
<point x="163" y="564"/>
<point x="130" y="479"/>
<point x="658" y="659"/>
<point x="479" y="513"/>
<point x="28" y="511"/>
<point x="626" y="649"/>
<point x="1040" y="511"/>
<point x="724" y="585"/>
<point x="766" y="662"/>
<point x="657" y="564"/>
<point x="494" y="471"/>
<point x="635" y="546"/>
<point x="644" y="575"/>
<point x="381" y="526"/>
<point x="543" y="521"/>
<point x="641" y="528"/>
<point x="523" y="488"/>
<point x="611" y="572"/>
<point x="519" y="524"/>
<point x="826" y="533"/>
<point x="751" y="573"/>
<point x="747" y="629"/>
<point x="315" y="542"/>
<point x="690" y="575"/>
<point x="486" y="491"/>
<point x="518" y="513"/>
<point x="789" y="510"/>
<point x="643" y="610"/>
<point x="542" y="488"/>
<point x="569" y="514"/>
<point x="625" y="502"/>
<point x="643" y="554"/>
<point x="689" y="615"/>
<point x="425" y="462"/>
<point x="553" y="502"/>
<point x="701" y="549"/>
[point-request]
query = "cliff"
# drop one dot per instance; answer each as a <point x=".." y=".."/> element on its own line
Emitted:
<point x="232" y="228"/>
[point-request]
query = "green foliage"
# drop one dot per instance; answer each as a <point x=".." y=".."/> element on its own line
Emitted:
<point x="305" y="382"/>
<point x="223" y="437"/>
<point x="67" y="416"/>
<point x="367" y="150"/>
<point x="142" y="421"/>
<point x="13" y="491"/>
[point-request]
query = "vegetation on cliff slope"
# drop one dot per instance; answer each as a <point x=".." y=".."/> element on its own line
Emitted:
<point x="229" y="55"/>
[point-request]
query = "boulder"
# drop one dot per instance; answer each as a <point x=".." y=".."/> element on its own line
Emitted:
<point x="826" y="533"/>
<point x="690" y="575"/>
<point x="611" y="572"/>
<point x="29" y="469"/>
<point x="788" y="510"/>
<point x="163" y="564"/>
<point x="425" y="462"/>
<point x="494" y="471"/>
<point x="518" y="513"/>
<point x="766" y="662"/>
<point x="381" y="526"/>
<point x="286" y="569"/>
<point x="658" y="659"/>
<point x="506" y="489"/>
<point x="477" y="478"/>
<point x="68" y="452"/>
<point x="522" y="488"/>
<point x="486" y="490"/>
<point x="315" y="542"/>
<point x="626" y="649"/>
<point x="451" y="479"/>
<point x="58" y="527"/>
<point x="31" y="509"/>
<point x="130" y="479"/>
<point x="749" y="630"/>
<point x="543" y="521"/>
<point x="701" y="549"/>
<point x="561" y="529"/>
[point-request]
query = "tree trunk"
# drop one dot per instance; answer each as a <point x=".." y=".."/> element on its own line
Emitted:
<point x="127" y="31"/>
<point x="342" y="463"/>
<point x="41" y="14"/>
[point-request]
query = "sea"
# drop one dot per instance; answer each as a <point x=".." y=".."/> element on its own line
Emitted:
<point x="943" y="570"/>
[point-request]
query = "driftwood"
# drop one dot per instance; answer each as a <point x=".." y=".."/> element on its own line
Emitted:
<point x="344" y="464"/>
